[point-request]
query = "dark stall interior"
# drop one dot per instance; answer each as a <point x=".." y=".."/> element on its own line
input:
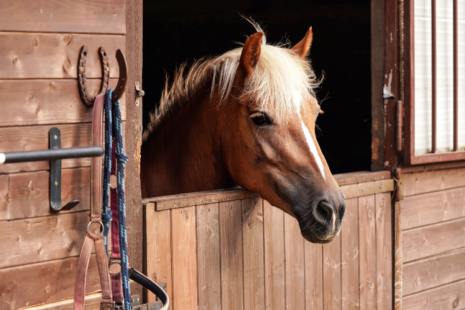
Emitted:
<point x="183" y="30"/>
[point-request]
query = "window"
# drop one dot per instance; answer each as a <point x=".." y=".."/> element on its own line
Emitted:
<point x="434" y="81"/>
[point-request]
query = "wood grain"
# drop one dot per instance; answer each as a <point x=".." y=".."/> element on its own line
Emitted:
<point x="43" y="283"/>
<point x="350" y="257"/>
<point x="253" y="251"/>
<point x="432" y="181"/>
<point x="208" y="257"/>
<point x="295" y="264"/>
<point x="313" y="276"/>
<point x="366" y="189"/>
<point x="92" y="302"/>
<point x="384" y="257"/>
<point x="4" y="197"/>
<point x="433" y="208"/>
<point x="184" y="249"/>
<point x="63" y="16"/>
<point x="275" y="284"/>
<point x="361" y="177"/>
<point x="430" y="240"/>
<point x="231" y="255"/>
<point x="425" y="274"/>
<point x="332" y="290"/>
<point x="158" y="248"/>
<point x="55" y="56"/>
<point x="40" y="102"/>
<point x="29" y="193"/>
<point x="450" y="296"/>
<point x="367" y="231"/>
<point x="41" y="239"/>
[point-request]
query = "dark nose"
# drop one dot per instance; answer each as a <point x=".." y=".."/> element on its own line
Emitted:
<point x="326" y="213"/>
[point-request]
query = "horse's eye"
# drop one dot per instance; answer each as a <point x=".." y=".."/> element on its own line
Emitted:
<point x="260" y="119"/>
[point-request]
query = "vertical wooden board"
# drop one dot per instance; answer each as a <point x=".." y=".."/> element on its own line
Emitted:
<point x="384" y="256"/>
<point x="313" y="276"/>
<point x="231" y="255"/>
<point x="275" y="278"/>
<point x="253" y="251"/>
<point x="295" y="264"/>
<point x="350" y="257"/>
<point x="332" y="290"/>
<point x="158" y="248"/>
<point x="4" y="197"/>
<point x="398" y="257"/>
<point x="367" y="237"/>
<point x="184" y="260"/>
<point x="63" y="16"/>
<point x="208" y="257"/>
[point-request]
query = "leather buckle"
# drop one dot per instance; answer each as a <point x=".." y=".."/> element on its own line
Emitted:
<point x="108" y="306"/>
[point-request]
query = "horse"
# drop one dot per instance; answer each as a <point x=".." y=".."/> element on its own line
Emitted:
<point x="246" y="118"/>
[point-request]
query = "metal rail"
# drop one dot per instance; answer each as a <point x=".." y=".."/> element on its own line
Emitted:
<point x="52" y="154"/>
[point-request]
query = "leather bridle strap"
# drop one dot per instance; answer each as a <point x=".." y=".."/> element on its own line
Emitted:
<point x="95" y="227"/>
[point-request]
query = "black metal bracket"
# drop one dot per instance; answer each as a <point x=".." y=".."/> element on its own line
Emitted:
<point x="55" y="175"/>
<point x="54" y="154"/>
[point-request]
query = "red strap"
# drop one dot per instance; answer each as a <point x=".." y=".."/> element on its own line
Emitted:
<point x="81" y="276"/>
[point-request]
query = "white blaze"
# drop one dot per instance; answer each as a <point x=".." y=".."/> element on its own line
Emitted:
<point x="311" y="145"/>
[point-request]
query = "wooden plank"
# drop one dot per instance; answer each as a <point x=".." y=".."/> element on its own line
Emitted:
<point x="184" y="260"/>
<point x="313" y="276"/>
<point x="361" y="177"/>
<point x="199" y="198"/>
<point x="332" y="290"/>
<point x="39" y="102"/>
<point x="43" y="283"/>
<point x="383" y="251"/>
<point x="350" y="257"/>
<point x="4" y="197"/>
<point x="366" y="189"/>
<point x="398" y="260"/>
<point x="432" y="181"/>
<point x="275" y="284"/>
<point x="425" y="274"/>
<point x="451" y="296"/>
<point x="133" y="135"/>
<point x="433" y="208"/>
<point x="158" y="248"/>
<point x="91" y="301"/>
<point x="63" y="16"/>
<point x="430" y="167"/>
<point x="430" y="240"/>
<point x="231" y="255"/>
<point x="367" y="235"/>
<point x="295" y="264"/>
<point x="208" y="257"/>
<point x="253" y="251"/>
<point x="29" y="192"/>
<point x="55" y="56"/>
<point x="41" y="239"/>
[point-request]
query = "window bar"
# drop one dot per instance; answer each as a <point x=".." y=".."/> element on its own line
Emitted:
<point x="433" y="30"/>
<point x="456" y="78"/>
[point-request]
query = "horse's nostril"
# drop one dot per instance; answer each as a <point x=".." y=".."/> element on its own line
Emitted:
<point x="325" y="211"/>
<point x="342" y="211"/>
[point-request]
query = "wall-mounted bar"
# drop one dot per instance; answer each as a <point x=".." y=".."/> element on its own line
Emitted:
<point x="54" y="154"/>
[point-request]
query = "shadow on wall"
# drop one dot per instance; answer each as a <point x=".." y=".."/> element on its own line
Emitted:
<point x="184" y="30"/>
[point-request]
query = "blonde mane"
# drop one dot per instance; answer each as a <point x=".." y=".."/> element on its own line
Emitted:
<point x="281" y="78"/>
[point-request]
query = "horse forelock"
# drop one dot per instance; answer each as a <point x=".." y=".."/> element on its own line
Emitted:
<point x="280" y="80"/>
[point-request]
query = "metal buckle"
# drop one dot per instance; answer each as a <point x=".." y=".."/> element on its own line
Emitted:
<point x="112" y="269"/>
<point x="101" y="225"/>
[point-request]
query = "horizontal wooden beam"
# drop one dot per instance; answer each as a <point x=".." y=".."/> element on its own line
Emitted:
<point x="222" y="195"/>
<point x="91" y="301"/>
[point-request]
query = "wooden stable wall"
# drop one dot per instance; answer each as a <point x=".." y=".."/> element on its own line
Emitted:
<point x="432" y="226"/>
<point x="39" y="46"/>
<point x="233" y="250"/>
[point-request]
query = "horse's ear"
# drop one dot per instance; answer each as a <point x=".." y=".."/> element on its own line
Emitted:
<point x="303" y="47"/>
<point x="251" y="53"/>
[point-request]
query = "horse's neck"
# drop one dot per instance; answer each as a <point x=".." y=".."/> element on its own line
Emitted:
<point x="184" y="154"/>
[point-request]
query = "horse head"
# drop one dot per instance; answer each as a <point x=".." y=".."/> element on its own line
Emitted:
<point x="267" y="128"/>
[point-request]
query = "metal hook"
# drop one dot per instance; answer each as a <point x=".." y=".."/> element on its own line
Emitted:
<point x="123" y="77"/>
